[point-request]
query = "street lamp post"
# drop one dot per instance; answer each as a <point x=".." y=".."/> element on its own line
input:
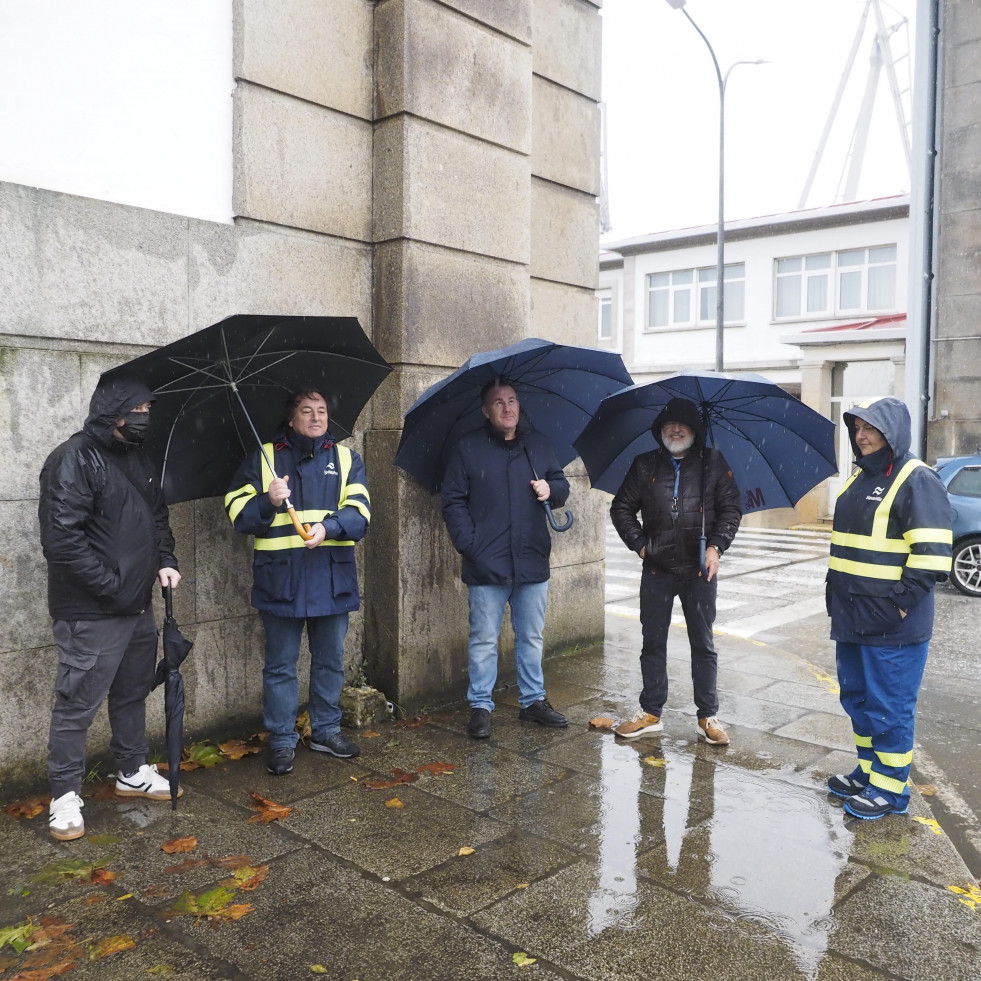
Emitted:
<point x="720" y="303"/>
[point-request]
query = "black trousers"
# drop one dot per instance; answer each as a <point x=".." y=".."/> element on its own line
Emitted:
<point x="657" y="593"/>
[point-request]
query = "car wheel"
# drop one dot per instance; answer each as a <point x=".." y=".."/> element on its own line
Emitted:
<point x="966" y="571"/>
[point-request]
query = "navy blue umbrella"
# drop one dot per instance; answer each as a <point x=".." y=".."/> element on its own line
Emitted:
<point x="778" y="448"/>
<point x="558" y="386"/>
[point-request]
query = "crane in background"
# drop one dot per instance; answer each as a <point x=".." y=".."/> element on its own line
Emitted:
<point x="881" y="58"/>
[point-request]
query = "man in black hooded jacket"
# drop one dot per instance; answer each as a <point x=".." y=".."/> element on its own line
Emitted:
<point x="669" y="487"/>
<point x="106" y="538"/>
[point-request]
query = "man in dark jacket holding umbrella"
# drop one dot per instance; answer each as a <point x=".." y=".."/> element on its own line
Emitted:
<point x="301" y="581"/>
<point x="679" y="489"/>
<point x="106" y="538"/>
<point x="890" y="545"/>
<point x="492" y="505"/>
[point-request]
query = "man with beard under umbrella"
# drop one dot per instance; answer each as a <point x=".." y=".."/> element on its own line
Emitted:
<point x="890" y="545"/>
<point x="297" y="581"/>
<point x="106" y="537"/>
<point x="670" y="487"/>
<point x="492" y="505"/>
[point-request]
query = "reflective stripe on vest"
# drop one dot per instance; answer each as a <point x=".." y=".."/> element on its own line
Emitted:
<point x="305" y="516"/>
<point x="881" y="546"/>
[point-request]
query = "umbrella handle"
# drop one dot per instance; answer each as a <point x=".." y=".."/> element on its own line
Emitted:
<point x="551" y="518"/>
<point x="301" y="529"/>
<point x="701" y="555"/>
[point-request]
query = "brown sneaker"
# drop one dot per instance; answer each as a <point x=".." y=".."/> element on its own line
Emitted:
<point x="640" y="725"/>
<point x="712" y="731"/>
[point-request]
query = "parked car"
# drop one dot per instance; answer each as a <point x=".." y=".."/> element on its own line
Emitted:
<point x="962" y="478"/>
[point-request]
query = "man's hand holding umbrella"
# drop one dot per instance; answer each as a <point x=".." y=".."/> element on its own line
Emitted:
<point x="279" y="492"/>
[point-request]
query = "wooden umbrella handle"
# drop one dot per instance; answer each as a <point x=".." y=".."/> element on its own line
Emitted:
<point x="302" y="530"/>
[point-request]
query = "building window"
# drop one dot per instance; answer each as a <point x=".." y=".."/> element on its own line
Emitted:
<point x="606" y="316"/>
<point x="855" y="281"/>
<point x="734" y="277"/>
<point x="671" y="296"/>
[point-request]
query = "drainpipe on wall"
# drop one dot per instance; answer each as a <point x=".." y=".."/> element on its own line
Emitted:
<point x="924" y="218"/>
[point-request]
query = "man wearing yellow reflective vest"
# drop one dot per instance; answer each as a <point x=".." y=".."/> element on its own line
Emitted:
<point x="890" y="545"/>
<point x="297" y="581"/>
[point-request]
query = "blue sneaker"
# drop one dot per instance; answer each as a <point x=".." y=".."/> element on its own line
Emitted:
<point x="844" y="785"/>
<point x="870" y="805"/>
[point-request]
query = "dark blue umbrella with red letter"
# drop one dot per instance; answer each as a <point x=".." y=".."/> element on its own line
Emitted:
<point x="777" y="447"/>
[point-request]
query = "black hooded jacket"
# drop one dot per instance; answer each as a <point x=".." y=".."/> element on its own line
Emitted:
<point x="104" y="527"/>
<point x="672" y="538"/>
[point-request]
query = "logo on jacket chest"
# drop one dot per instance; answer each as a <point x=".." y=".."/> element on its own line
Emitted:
<point x="330" y="470"/>
<point x="876" y="494"/>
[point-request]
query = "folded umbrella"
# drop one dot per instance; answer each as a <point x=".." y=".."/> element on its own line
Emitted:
<point x="176" y="647"/>
<point x="221" y="390"/>
<point x="558" y="385"/>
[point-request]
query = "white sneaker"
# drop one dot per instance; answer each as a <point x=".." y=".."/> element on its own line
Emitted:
<point x="146" y="782"/>
<point x="65" y="821"/>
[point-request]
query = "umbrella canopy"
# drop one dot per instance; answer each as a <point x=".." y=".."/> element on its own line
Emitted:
<point x="778" y="448"/>
<point x="176" y="647"/>
<point x="558" y="386"/>
<point x="222" y="389"/>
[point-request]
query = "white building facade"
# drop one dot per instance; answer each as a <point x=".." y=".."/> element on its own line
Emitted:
<point x="814" y="300"/>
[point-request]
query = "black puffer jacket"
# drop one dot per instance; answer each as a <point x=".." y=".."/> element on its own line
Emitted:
<point x="104" y="540"/>
<point x="648" y="489"/>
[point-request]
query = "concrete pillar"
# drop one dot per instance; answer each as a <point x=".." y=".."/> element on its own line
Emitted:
<point x="484" y="217"/>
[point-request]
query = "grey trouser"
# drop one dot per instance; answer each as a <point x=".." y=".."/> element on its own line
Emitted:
<point x="96" y="658"/>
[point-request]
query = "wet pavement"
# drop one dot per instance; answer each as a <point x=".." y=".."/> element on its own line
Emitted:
<point x="656" y="859"/>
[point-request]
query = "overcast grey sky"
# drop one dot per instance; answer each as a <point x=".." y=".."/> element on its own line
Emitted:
<point x="662" y="101"/>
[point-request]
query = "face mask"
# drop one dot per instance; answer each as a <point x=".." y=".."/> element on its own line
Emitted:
<point x="134" y="427"/>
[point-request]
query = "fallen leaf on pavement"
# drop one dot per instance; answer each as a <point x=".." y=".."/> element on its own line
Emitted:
<point x="102" y="877"/>
<point x="522" y="959"/>
<point x="415" y="722"/>
<point x="111" y="945"/>
<point x="28" y="808"/>
<point x="204" y="753"/>
<point x="602" y="722"/>
<point x="247" y="878"/>
<point x="466" y="850"/>
<point x="436" y="768"/>
<point x="235" y="749"/>
<point x="522" y="885"/>
<point x="927" y="789"/>
<point x="318" y="969"/>
<point x="232" y="861"/>
<point x="654" y="761"/>
<point x="214" y="905"/>
<point x="268" y="810"/>
<point x="79" y="869"/>
<point x="401" y="776"/>
<point x="303" y="726"/>
<point x="176" y="845"/>
<point x="370" y="734"/>
<point x="394" y="802"/>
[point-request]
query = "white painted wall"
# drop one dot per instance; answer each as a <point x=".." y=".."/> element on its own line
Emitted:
<point x="120" y="100"/>
<point x="753" y="344"/>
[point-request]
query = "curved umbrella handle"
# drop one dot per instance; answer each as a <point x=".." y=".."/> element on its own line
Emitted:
<point x="551" y="518"/>
<point x="301" y="529"/>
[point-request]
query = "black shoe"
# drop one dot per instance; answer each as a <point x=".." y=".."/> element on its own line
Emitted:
<point x="544" y="714"/>
<point x="280" y="761"/>
<point x="479" y="726"/>
<point x="337" y="744"/>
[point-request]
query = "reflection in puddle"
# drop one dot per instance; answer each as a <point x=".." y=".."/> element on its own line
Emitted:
<point x="614" y="901"/>
<point x="776" y="854"/>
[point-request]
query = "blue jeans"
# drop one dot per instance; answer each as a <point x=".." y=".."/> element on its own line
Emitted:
<point x="657" y="593"/>
<point x="487" y="604"/>
<point x="280" y="688"/>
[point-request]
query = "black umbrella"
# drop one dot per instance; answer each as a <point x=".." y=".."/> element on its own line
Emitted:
<point x="176" y="647"/>
<point x="222" y="389"/>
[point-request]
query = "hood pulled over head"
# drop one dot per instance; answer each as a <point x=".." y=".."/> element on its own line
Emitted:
<point x="889" y="416"/>
<point x="110" y="401"/>
<point x="680" y="410"/>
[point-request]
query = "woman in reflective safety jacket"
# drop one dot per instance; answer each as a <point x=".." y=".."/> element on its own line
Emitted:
<point x="890" y="546"/>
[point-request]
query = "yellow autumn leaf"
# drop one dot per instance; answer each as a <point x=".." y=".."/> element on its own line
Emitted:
<point x="394" y="802"/>
<point x="111" y="945"/>
<point x="466" y="850"/>
<point x="318" y="969"/>
<point x="654" y="761"/>
<point x="522" y="959"/>
<point x="602" y="722"/>
<point x="522" y="885"/>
